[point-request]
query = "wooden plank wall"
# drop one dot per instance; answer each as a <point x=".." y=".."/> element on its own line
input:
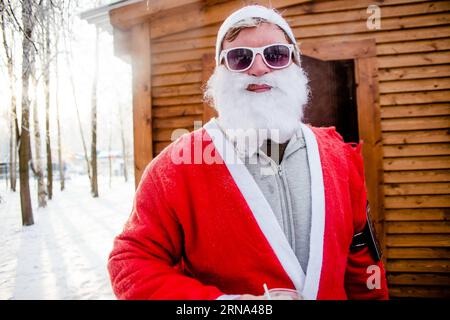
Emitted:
<point x="413" y="53"/>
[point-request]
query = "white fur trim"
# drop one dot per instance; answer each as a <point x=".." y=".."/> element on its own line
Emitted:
<point x="258" y="204"/>
<point x="254" y="11"/>
<point x="314" y="268"/>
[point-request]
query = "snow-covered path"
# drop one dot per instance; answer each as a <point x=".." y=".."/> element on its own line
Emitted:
<point x="64" y="254"/>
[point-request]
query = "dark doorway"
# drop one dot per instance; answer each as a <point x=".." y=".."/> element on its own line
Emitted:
<point x="333" y="96"/>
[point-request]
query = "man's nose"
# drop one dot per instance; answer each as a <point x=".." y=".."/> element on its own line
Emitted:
<point x="259" y="68"/>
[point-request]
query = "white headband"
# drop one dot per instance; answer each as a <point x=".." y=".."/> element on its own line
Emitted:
<point x="255" y="11"/>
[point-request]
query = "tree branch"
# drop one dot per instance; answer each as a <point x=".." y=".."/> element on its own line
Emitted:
<point x="10" y="12"/>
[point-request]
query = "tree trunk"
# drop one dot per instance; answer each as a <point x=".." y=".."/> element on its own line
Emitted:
<point x="13" y="125"/>
<point x="24" y="148"/>
<point x="60" y="162"/>
<point x="94" y="183"/>
<point x="41" y="192"/>
<point x="11" y="143"/>
<point x="124" y="149"/>
<point x="46" y="71"/>
<point x="13" y="129"/>
<point x="12" y="146"/>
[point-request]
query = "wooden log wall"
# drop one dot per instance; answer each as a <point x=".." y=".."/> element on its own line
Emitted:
<point x="413" y="55"/>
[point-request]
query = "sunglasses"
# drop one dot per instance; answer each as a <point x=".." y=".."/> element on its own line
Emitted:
<point x="276" y="56"/>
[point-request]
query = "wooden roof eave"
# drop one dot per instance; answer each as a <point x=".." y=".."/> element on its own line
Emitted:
<point x="206" y="12"/>
<point x="126" y="17"/>
<point x="165" y="13"/>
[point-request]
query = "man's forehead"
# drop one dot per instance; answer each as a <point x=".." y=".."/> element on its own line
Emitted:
<point x="256" y="36"/>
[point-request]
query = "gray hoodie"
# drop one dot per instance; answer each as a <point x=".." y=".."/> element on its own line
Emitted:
<point x="287" y="189"/>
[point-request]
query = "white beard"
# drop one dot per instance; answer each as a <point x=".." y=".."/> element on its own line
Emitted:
<point x="274" y="114"/>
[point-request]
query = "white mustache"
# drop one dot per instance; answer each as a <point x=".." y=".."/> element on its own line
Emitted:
<point x="245" y="80"/>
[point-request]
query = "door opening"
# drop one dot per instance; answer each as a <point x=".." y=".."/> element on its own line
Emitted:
<point x="333" y="96"/>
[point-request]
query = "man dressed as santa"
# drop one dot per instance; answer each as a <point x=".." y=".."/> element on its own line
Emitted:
<point x="255" y="199"/>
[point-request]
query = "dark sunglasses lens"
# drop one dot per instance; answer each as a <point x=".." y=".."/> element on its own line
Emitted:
<point x="239" y="59"/>
<point x="277" y="56"/>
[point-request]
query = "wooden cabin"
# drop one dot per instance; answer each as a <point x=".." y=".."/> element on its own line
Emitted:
<point x="393" y="80"/>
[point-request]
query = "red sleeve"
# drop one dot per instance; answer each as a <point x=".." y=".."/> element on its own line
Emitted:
<point x="365" y="278"/>
<point x="145" y="257"/>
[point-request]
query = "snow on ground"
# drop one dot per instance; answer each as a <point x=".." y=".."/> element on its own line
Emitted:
<point x="64" y="254"/>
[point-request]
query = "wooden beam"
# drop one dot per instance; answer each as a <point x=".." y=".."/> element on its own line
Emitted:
<point x="412" y="150"/>
<point x="415" y="85"/>
<point x="418" y="292"/>
<point x="354" y="27"/>
<point x="418" y="253"/>
<point x="367" y="93"/>
<point x="419" y="110"/>
<point x="202" y="15"/>
<point x="175" y="111"/>
<point x="417" y="176"/>
<point x="415" y="97"/>
<point x="177" y="79"/>
<point x="420" y="240"/>
<point x="317" y="7"/>
<point x="417" y="188"/>
<point x="417" y="123"/>
<point x="419" y="33"/>
<point x="417" y="163"/>
<point x="142" y="100"/>
<point x="433" y="71"/>
<point x="414" y="59"/>
<point x="185" y="66"/>
<point x="408" y="202"/>
<point x="416" y="214"/>
<point x="418" y="279"/>
<point x="415" y="136"/>
<point x="356" y="13"/>
<point x="127" y="16"/>
<point x="343" y="50"/>
<point x="178" y="100"/>
<point x="418" y="227"/>
<point x="178" y="90"/>
<point x="176" y="122"/>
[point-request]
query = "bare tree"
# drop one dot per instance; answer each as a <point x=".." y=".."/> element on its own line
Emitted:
<point x="51" y="21"/>
<point x="42" y="201"/>
<point x="58" y="126"/>
<point x="46" y="74"/>
<point x="24" y="144"/>
<point x="94" y="182"/>
<point x="13" y="123"/>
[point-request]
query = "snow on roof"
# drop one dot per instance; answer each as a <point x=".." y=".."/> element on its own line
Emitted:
<point x="100" y="15"/>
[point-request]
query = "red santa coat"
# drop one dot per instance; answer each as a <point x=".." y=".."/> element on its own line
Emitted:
<point x="201" y="230"/>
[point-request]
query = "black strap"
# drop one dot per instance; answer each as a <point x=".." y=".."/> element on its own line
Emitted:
<point x="367" y="238"/>
<point x="359" y="240"/>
